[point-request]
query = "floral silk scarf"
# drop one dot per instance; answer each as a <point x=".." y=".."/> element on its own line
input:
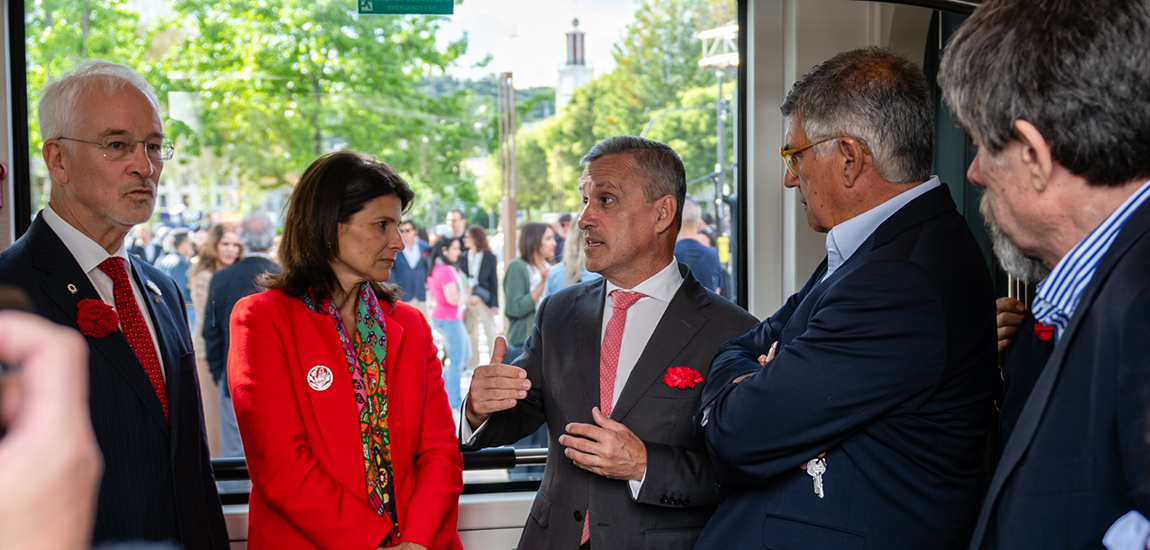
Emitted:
<point x="366" y="355"/>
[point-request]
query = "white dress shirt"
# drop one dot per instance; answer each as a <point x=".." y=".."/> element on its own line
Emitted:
<point x="89" y="255"/>
<point x="642" y="318"/>
<point x="412" y="254"/>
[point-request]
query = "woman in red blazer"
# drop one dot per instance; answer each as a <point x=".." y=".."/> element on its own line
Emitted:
<point x="337" y="387"/>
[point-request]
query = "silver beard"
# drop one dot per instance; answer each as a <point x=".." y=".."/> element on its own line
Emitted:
<point x="1014" y="261"/>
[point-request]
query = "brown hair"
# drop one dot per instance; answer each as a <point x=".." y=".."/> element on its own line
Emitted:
<point x="208" y="257"/>
<point x="329" y="193"/>
<point x="530" y="239"/>
<point x="479" y="237"/>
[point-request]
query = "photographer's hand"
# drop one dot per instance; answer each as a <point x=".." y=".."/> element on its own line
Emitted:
<point x="50" y="464"/>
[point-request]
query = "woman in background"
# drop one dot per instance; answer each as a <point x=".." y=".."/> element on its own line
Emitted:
<point x="336" y="384"/>
<point x="572" y="268"/>
<point x="447" y="288"/>
<point x="223" y="248"/>
<point x="523" y="284"/>
<point x="483" y="304"/>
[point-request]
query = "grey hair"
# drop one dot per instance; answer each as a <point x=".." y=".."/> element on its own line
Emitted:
<point x="658" y="161"/>
<point x="692" y="214"/>
<point x="59" y="99"/>
<point x="1078" y="71"/>
<point x="257" y="233"/>
<point x="873" y="95"/>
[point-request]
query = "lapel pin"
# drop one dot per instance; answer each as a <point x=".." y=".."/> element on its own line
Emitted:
<point x="152" y="287"/>
<point x="72" y="288"/>
<point x="319" y="378"/>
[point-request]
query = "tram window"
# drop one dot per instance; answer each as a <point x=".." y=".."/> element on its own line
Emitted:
<point x="253" y="93"/>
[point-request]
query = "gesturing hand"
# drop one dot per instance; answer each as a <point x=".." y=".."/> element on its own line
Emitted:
<point x="609" y="449"/>
<point x="495" y="387"/>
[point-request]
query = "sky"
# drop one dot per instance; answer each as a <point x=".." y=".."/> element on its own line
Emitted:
<point x="528" y="37"/>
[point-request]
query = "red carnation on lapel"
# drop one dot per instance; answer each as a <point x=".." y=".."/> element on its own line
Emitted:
<point x="96" y="319"/>
<point x="1043" y="332"/>
<point x="682" y="377"/>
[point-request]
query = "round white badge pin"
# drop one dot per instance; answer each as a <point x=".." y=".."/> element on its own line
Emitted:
<point x="319" y="378"/>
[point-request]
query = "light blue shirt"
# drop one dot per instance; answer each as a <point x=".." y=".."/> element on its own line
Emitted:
<point x="844" y="239"/>
<point x="1059" y="294"/>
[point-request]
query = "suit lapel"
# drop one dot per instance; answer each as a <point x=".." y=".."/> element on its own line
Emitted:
<point x="397" y="421"/>
<point x="678" y="326"/>
<point x="587" y="327"/>
<point x="112" y="352"/>
<point x="1135" y="229"/>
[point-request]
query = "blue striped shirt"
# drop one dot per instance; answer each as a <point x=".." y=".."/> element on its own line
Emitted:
<point x="1058" y="295"/>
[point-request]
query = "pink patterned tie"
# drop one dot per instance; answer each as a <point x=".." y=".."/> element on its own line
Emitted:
<point x="608" y="364"/>
<point x="134" y="327"/>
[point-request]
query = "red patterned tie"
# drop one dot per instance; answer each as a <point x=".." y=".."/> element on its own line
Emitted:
<point x="134" y="327"/>
<point x="608" y="364"/>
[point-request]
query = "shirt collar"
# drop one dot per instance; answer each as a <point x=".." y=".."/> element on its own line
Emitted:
<point x="844" y="239"/>
<point x="661" y="286"/>
<point x="1059" y="294"/>
<point x="87" y="252"/>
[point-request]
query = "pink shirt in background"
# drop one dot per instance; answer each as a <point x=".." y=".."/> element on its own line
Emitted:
<point x="442" y="276"/>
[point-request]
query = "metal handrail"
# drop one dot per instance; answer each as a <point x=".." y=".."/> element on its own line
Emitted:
<point x="230" y="469"/>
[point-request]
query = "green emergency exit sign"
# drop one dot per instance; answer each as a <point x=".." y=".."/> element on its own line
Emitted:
<point x="394" y="7"/>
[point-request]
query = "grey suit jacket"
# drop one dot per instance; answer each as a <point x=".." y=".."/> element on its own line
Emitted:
<point x="561" y="358"/>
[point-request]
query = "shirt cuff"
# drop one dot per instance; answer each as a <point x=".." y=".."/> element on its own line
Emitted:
<point x="466" y="435"/>
<point x="635" y="486"/>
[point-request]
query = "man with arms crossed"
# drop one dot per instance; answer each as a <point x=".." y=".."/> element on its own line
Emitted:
<point x="1059" y="106"/>
<point x="104" y="148"/>
<point x="866" y="426"/>
<point x="615" y="368"/>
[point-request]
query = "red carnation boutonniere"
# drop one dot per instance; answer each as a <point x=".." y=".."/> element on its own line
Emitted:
<point x="96" y="319"/>
<point x="682" y="377"/>
<point x="1043" y="332"/>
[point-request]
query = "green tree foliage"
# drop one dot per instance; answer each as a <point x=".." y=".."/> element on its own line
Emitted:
<point x="657" y="69"/>
<point x="281" y="82"/>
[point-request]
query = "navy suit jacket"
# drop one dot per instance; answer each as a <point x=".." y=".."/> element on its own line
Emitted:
<point x="158" y="482"/>
<point x="413" y="281"/>
<point x="703" y="261"/>
<point x="227" y="287"/>
<point x="1078" y="457"/>
<point x="1025" y="356"/>
<point x="887" y="366"/>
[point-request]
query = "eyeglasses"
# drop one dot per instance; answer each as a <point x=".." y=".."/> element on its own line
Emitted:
<point x="792" y="163"/>
<point x="118" y="149"/>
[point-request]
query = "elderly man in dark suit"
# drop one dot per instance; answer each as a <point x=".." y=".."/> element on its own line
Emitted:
<point x="866" y="426"/>
<point x="614" y="368"/>
<point x="1061" y="115"/>
<point x="227" y="287"/>
<point x="104" y="148"/>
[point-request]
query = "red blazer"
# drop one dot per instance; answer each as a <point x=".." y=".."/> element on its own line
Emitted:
<point x="303" y="445"/>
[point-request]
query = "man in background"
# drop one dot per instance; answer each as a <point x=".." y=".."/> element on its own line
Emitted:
<point x="560" y="229"/>
<point x="702" y="259"/>
<point x="410" y="270"/>
<point x="175" y="265"/>
<point x="227" y="287"/>
<point x="144" y="247"/>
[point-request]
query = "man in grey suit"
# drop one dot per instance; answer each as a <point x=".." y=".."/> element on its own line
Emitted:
<point x="615" y="369"/>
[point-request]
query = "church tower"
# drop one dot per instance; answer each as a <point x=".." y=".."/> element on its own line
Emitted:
<point x="575" y="72"/>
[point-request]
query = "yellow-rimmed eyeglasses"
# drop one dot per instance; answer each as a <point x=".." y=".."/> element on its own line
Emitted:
<point x="120" y="149"/>
<point x="790" y="154"/>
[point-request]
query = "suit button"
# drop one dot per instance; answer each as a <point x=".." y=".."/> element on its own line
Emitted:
<point x="578" y="516"/>
<point x="664" y="500"/>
